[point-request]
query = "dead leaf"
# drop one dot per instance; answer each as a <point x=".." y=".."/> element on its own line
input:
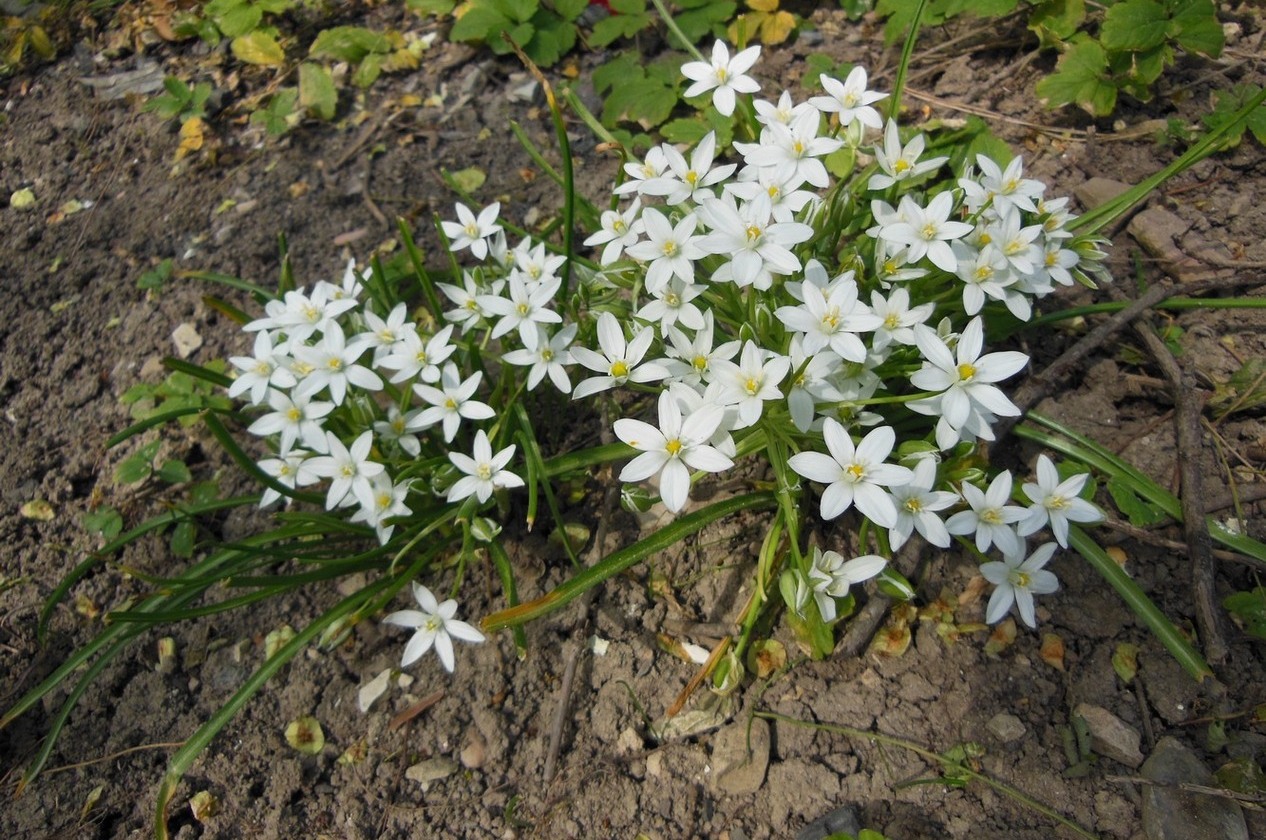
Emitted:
<point x="1052" y="650"/>
<point x="191" y="136"/>
<point x="1003" y="637"/>
<point x="38" y="509"/>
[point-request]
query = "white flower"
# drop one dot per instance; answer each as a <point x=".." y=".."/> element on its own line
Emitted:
<point x="551" y="357"/>
<point x="782" y="111"/>
<point x="670" y="250"/>
<point x="418" y="356"/>
<point x="1004" y="189"/>
<point x="472" y="232"/>
<point x="792" y="150"/>
<point x="811" y="383"/>
<point x="348" y="289"/>
<point x="535" y="263"/>
<point x="291" y="470"/>
<point x="1017" y="580"/>
<point x="927" y="230"/>
<point x="898" y="318"/>
<point x="1056" y="502"/>
<point x="832" y="319"/>
<point x="692" y="358"/>
<point x="917" y="504"/>
<point x="450" y="403"/>
<point x="831" y="576"/>
<point x="379" y="501"/>
<point x="435" y="627"/>
<point x="619" y="361"/>
<point x="693" y="180"/>
<point x="394" y="430"/>
<point x="643" y="173"/>
<point x="466" y="296"/>
<point x="295" y="418"/>
<point x="618" y="231"/>
<point x="300" y="315"/>
<point x="751" y="382"/>
<point x="724" y="76"/>
<point x="900" y="163"/>
<point x="523" y="309"/>
<point x="965" y="377"/>
<point x="384" y="335"/>
<point x="757" y="248"/>
<point x="333" y="364"/>
<point x="989" y="516"/>
<point x="349" y="469"/>
<point x="266" y="369"/>
<point x="850" y="99"/>
<point x="484" y="472"/>
<point x="673" y="305"/>
<point x="671" y="451"/>
<point x="984" y="272"/>
<point x="854" y="475"/>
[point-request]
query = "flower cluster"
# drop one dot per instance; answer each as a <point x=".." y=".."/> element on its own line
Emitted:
<point x="825" y="297"/>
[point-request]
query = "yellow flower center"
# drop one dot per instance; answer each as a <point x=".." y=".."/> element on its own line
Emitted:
<point x="752" y="385"/>
<point x="901" y="165"/>
<point x="991" y="516"/>
<point x="914" y="505"/>
<point x="670" y="249"/>
<point x="673" y="447"/>
<point x="856" y="472"/>
<point x="966" y="371"/>
<point x="484" y="472"/>
<point x="619" y="369"/>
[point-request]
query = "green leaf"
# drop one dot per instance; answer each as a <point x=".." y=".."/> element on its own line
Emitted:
<point x="259" y="48"/>
<point x="1080" y="78"/>
<point x="469" y="179"/>
<point x="1225" y="105"/>
<point x="1134" y="25"/>
<point x="478" y="24"/>
<point x="368" y="71"/>
<point x="431" y="7"/>
<point x="174" y="471"/>
<point x="1055" y="21"/>
<point x="156" y="276"/>
<point x="623" y="24"/>
<point x="699" y="22"/>
<point x="569" y="10"/>
<point x="1250" y="609"/>
<point x="132" y="469"/>
<point x="280" y="115"/>
<point x="237" y="18"/>
<point x="517" y="10"/>
<point x="688" y="130"/>
<point x="348" y="43"/>
<point x="1125" y="661"/>
<point x="182" y="539"/>
<point x="317" y="93"/>
<point x="105" y="521"/>
<point x="1140" y="512"/>
<point x="1196" y="27"/>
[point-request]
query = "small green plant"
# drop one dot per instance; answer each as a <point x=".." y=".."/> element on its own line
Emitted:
<point x="1124" y="48"/>
<point x="180" y="101"/>
<point x="1249" y="609"/>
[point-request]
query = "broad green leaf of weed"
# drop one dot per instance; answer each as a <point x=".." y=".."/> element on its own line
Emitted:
<point x="235" y="17"/>
<point x="1196" y="28"/>
<point x="105" y="521"/>
<point x="569" y="10"/>
<point x="1244" y="391"/>
<point x="133" y="469"/>
<point x="629" y="18"/>
<point x="1137" y="71"/>
<point x="174" y="471"/>
<point x="1250" y="608"/>
<point x="368" y="71"/>
<point x="348" y="43"/>
<point x="182" y="539"/>
<point x="1139" y="511"/>
<point x="516" y="10"/>
<point x="1134" y="25"/>
<point x="259" y="48"/>
<point x="479" y="23"/>
<point x="280" y="115"/>
<point x="317" y="93"/>
<point x="700" y="18"/>
<point x="1055" y="21"/>
<point x="554" y="38"/>
<point x="1080" y="78"/>
<point x="1225" y="105"/>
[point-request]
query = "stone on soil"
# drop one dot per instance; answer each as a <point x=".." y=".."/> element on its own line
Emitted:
<point x="1110" y="736"/>
<point x="431" y="770"/>
<point x="1170" y="813"/>
<point x="1005" y="727"/>
<point x="735" y="769"/>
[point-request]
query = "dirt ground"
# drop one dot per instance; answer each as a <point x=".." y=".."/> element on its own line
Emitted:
<point x="76" y="332"/>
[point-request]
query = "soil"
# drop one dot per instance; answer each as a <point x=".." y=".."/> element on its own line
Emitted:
<point x="76" y="332"/>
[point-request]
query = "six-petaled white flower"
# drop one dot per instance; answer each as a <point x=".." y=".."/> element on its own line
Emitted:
<point x="484" y="471"/>
<point x="724" y="76"/>
<point x="854" y="475"/>
<point x="1016" y="580"/>
<point x="435" y="627"/>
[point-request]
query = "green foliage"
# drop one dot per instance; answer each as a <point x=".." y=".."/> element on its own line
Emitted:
<point x="180" y="391"/>
<point x="1225" y="105"/>
<point x="105" y="521"/>
<point x="180" y="101"/>
<point x="235" y="18"/>
<point x="156" y="277"/>
<point x="636" y="92"/>
<point x="280" y="114"/>
<point x="1249" y="608"/>
<point x="628" y="18"/>
<point x="545" y="32"/>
